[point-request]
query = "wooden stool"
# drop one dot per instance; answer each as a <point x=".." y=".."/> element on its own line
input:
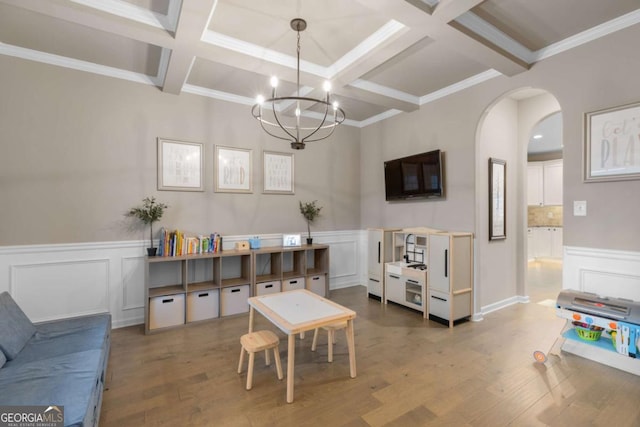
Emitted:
<point x="331" y="329"/>
<point x="254" y="342"/>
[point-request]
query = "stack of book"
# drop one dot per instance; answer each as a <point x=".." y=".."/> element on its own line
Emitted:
<point x="176" y="243"/>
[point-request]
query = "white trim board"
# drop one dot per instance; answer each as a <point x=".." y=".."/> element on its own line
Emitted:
<point x="605" y="272"/>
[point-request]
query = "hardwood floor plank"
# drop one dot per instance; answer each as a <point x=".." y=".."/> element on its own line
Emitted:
<point x="411" y="371"/>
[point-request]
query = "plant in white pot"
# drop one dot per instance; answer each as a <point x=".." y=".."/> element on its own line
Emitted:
<point x="310" y="211"/>
<point x="150" y="212"/>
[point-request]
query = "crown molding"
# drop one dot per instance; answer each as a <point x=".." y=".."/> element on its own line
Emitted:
<point x="75" y="64"/>
<point x="604" y="29"/>
<point x="262" y="53"/>
<point x="461" y="85"/>
<point x="385" y="91"/>
<point x="135" y="13"/>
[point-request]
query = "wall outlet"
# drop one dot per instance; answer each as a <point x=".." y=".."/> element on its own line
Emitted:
<point x="579" y="208"/>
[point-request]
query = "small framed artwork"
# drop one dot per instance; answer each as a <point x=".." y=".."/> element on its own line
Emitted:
<point x="612" y="138"/>
<point x="277" y="172"/>
<point x="497" y="199"/>
<point x="180" y="165"/>
<point x="233" y="170"/>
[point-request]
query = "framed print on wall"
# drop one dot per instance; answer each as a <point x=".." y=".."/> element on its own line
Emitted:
<point x="233" y="170"/>
<point x="497" y="199"/>
<point x="277" y="172"/>
<point x="180" y="165"/>
<point x="612" y="144"/>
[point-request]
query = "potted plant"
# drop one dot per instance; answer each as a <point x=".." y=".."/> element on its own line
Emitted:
<point x="150" y="212"/>
<point x="310" y="211"/>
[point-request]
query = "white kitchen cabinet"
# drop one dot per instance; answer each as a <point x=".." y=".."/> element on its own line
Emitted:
<point x="379" y="251"/>
<point x="450" y="276"/>
<point x="534" y="184"/>
<point x="552" y="183"/>
<point x="544" y="183"/>
<point x="546" y="242"/>
<point x="530" y="248"/>
<point x="556" y="242"/>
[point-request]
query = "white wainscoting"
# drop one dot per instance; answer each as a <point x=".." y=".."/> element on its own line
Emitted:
<point x="601" y="271"/>
<point x="66" y="280"/>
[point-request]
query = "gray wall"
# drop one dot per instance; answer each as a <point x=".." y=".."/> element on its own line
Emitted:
<point x="78" y="150"/>
<point x="597" y="75"/>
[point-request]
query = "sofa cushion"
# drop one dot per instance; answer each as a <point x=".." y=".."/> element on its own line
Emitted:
<point x="70" y="380"/>
<point x="3" y="359"/>
<point x="66" y="336"/>
<point x="15" y="327"/>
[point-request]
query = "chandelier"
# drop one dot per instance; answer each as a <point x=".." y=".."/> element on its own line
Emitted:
<point x="296" y="128"/>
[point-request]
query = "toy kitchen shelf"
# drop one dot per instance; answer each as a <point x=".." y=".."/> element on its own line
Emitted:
<point x="432" y="272"/>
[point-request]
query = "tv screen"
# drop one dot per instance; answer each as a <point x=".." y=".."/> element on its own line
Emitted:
<point x="414" y="176"/>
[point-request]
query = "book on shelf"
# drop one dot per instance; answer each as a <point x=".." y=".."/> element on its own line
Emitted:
<point x="177" y="243"/>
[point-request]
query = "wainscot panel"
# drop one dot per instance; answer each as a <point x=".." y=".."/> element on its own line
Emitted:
<point x="604" y="272"/>
<point x="67" y="280"/>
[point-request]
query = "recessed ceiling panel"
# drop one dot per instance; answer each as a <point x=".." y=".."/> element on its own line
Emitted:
<point x="425" y="67"/>
<point x="22" y="28"/>
<point x="212" y="75"/>
<point x="353" y="108"/>
<point x="157" y="6"/>
<point x="334" y="27"/>
<point x="540" y="23"/>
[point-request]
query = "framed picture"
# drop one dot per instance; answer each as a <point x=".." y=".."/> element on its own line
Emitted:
<point x="233" y="170"/>
<point x="277" y="172"/>
<point x="612" y="144"/>
<point x="497" y="199"/>
<point x="180" y="165"/>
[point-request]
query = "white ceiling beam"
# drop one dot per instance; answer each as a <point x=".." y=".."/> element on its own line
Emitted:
<point x="97" y="20"/>
<point x="448" y="10"/>
<point x="416" y="14"/>
<point x="192" y="23"/>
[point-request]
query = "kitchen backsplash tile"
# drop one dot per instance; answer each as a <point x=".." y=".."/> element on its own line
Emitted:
<point x="543" y="216"/>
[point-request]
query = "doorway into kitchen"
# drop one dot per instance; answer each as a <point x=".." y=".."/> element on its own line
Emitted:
<point x="545" y="210"/>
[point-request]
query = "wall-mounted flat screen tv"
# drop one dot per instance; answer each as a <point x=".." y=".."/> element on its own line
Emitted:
<point x="414" y="176"/>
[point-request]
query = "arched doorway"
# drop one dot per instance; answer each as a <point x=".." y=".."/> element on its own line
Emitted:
<point x="545" y="210"/>
<point x="503" y="133"/>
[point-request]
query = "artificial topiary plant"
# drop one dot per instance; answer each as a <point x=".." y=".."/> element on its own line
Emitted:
<point x="150" y="212"/>
<point x="310" y="211"/>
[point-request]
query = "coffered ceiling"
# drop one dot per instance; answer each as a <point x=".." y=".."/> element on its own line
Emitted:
<point x="382" y="56"/>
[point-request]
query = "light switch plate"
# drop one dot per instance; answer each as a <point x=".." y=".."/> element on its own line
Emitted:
<point x="579" y="208"/>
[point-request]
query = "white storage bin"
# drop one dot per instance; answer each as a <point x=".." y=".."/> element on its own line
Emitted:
<point x="166" y="311"/>
<point x="202" y="305"/>
<point x="317" y="285"/>
<point x="293" y="284"/>
<point x="268" y="287"/>
<point x="234" y="300"/>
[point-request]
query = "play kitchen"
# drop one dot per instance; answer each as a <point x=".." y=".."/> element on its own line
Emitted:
<point x="431" y="272"/>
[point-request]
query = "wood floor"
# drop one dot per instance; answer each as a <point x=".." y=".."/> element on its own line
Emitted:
<point x="411" y="372"/>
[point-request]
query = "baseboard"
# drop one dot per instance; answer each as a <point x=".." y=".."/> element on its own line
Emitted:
<point x="499" y="305"/>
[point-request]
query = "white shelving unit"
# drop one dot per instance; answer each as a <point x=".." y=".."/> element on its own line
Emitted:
<point x="191" y="288"/>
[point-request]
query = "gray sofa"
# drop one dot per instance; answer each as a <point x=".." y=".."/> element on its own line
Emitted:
<point x="61" y="363"/>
